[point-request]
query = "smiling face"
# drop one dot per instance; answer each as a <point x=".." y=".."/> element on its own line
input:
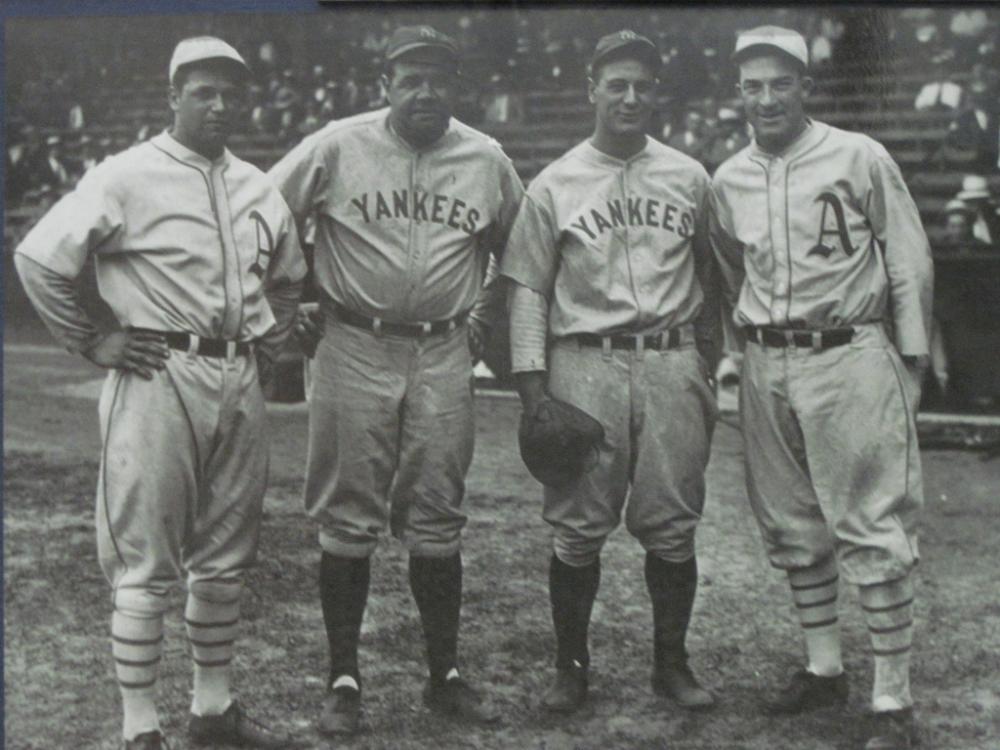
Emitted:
<point x="774" y="89"/>
<point x="421" y="97"/>
<point x="623" y="95"/>
<point x="206" y="102"/>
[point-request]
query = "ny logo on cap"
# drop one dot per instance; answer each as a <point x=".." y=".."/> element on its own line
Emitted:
<point x="627" y="35"/>
<point x="426" y="32"/>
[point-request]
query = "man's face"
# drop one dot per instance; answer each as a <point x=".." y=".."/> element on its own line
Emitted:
<point x="773" y="91"/>
<point x="958" y="228"/>
<point x="206" y="107"/>
<point x="421" y="97"/>
<point x="623" y="96"/>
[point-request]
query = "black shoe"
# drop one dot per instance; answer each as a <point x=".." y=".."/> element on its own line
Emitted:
<point x="807" y="692"/>
<point x="236" y="729"/>
<point x="893" y="730"/>
<point x="341" y="712"/>
<point x="568" y="692"/>
<point x="147" y="741"/>
<point x="677" y="682"/>
<point x="456" y="698"/>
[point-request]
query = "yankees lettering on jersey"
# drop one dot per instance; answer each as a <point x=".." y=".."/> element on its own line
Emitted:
<point x="401" y="234"/>
<point x="634" y="212"/>
<point x="401" y="204"/>
<point x="823" y="235"/>
<point x="611" y="242"/>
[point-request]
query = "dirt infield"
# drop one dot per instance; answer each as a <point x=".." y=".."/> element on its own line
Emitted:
<point x="59" y="687"/>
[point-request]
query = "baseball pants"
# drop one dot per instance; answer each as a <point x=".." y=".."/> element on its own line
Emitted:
<point x="658" y="413"/>
<point x="182" y="477"/>
<point x="390" y="440"/>
<point x="832" y="459"/>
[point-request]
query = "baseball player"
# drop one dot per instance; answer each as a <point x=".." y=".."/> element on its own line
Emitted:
<point x="409" y="204"/>
<point x="198" y="257"/>
<point x="611" y="266"/>
<point x="830" y="274"/>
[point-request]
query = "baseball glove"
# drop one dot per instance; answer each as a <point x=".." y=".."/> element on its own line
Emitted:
<point x="559" y="442"/>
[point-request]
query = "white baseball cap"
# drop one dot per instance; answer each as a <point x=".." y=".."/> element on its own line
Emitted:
<point x="790" y="42"/>
<point x="198" y="48"/>
<point x="973" y="186"/>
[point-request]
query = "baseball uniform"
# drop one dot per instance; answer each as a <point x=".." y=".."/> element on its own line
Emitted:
<point x="199" y="250"/>
<point x="615" y="246"/>
<point x="825" y="240"/>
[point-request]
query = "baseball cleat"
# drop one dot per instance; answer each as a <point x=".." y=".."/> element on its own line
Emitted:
<point x="234" y="728"/>
<point x="341" y="712"/>
<point x="569" y="691"/>
<point x="456" y="698"/>
<point x="808" y="692"/>
<point x="893" y="730"/>
<point x="147" y="741"/>
<point x="677" y="682"/>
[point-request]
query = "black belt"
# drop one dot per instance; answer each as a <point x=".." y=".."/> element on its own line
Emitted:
<point x="785" y="337"/>
<point x="667" y="340"/>
<point x="410" y="330"/>
<point x="206" y="347"/>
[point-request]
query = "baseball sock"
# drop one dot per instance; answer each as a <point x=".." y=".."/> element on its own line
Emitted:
<point x="888" y="609"/>
<point x="436" y="583"/>
<point x="814" y="592"/>
<point x="672" y="588"/>
<point x="137" y="645"/>
<point x="343" y="594"/>
<point x="211" y="629"/>
<point x="572" y="591"/>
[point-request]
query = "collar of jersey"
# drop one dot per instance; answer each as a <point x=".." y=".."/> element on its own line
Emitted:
<point x="813" y="134"/>
<point x="178" y="150"/>
<point x="407" y="145"/>
<point x="600" y="157"/>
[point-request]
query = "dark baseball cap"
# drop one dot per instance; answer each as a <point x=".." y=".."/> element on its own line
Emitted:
<point x="407" y="39"/>
<point x="625" y="43"/>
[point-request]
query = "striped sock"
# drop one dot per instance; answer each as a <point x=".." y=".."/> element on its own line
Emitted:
<point x="137" y="645"/>
<point x="211" y="630"/>
<point x="888" y="609"/>
<point x="814" y="592"/>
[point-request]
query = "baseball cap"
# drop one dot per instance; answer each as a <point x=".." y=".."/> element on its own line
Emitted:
<point x="762" y="38"/>
<point x="956" y="206"/>
<point x="409" y="38"/>
<point x="198" y="48"/>
<point x="973" y="186"/>
<point x="615" y="45"/>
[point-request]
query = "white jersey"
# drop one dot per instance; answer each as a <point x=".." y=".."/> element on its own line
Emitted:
<point x="823" y="235"/>
<point x="181" y="243"/>
<point x="614" y="245"/>
<point x="401" y="234"/>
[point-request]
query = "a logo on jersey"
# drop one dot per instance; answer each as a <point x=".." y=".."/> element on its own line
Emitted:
<point x="265" y="244"/>
<point x="436" y="208"/>
<point x="634" y="212"/>
<point x="831" y="207"/>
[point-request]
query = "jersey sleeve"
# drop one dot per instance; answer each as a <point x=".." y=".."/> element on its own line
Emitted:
<point x="895" y="222"/>
<point x="708" y="325"/>
<point x="531" y="258"/>
<point x="289" y="263"/>
<point x="728" y="254"/>
<point x="83" y="220"/>
<point x="302" y="176"/>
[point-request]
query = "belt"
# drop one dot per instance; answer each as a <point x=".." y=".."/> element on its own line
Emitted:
<point x="189" y="342"/>
<point x="787" y="337"/>
<point x="410" y="330"/>
<point x="667" y="340"/>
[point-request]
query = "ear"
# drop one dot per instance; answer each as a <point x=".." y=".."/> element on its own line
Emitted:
<point x="808" y="85"/>
<point x="173" y="97"/>
<point x="739" y="89"/>
<point x="591" y="85"/>
<point x="385" y="81"/>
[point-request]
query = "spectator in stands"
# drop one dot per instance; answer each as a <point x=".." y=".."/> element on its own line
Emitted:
<point x="729" y="138"/>
<point x="968" y="28"/>
<point x="823" y="41"/>
<point x="24" y="162"/>
<point x="91" y="154"/>
<point x="287" y="102"/>
<point x="940" y="93"/>
<point x="975" y="193"/>
<point x="55" y="173"/>
<point x="350" y="94"/>
<point x="500" y="104"/>
<point x="692" y="139"/>
<point x="973" y="135"/>
<point x="958" y="234"/>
